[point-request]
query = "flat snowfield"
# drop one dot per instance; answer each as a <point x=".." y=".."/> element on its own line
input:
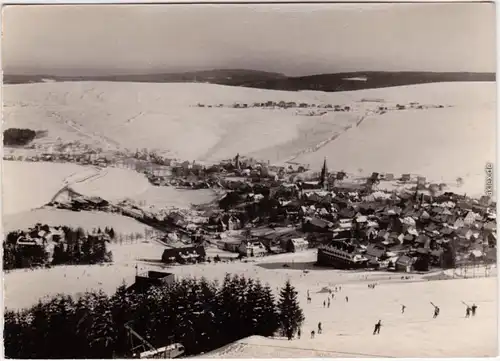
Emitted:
<point x="347" y="326"/>
<point x="441" y="144"/>
<point x="167" y="197"/>
<point x="85" y="219"/>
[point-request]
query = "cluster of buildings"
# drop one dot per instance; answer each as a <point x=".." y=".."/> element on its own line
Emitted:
<point x="280" y="105"/>
<point x="38" y="245"/>
<point x="270" y="209"/>
<point x="82" y="158"/>
<point x="355" y="226"/>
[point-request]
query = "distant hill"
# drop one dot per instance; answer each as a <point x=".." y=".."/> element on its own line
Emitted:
<point x="236" y="77"/>
<point x="275" y="81"/>
<point x="367" y="80"/>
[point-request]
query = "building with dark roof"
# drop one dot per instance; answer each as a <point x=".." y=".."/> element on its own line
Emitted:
<point x="183" y="255"/>
<point x="149" y="279"/>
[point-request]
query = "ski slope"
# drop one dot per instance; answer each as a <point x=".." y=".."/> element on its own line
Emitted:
<point x="347" y="326"/>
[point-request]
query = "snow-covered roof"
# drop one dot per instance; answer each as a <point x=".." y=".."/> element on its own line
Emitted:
<point x="476" y="253"/>
<point x="299" y="241"/>
<point x="362" y="219"/>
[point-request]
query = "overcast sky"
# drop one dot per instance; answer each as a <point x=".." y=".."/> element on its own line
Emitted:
<point x="291" y="39"/>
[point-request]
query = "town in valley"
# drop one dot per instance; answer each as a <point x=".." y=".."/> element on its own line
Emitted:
<point x="232" y="213"/>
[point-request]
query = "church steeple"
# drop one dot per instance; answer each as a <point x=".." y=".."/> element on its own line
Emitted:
<point x="237" y="161"/>
<point x="324" y="175"/>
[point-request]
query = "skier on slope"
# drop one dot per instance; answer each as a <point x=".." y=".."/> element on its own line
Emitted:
<point x="436" y="310"/>
<point x="320" y="330"/>
<point x="376" y="330"/>
<point x="473" y="309"/>
<point x="403" y="307"/>
<point x="467" y="312"/>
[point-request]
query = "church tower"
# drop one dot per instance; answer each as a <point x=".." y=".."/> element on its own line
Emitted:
<point x="324" y="175"/>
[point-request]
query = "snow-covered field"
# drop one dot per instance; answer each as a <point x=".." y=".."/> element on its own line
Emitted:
<point x="29" y="185"/>
<point x="446" y="143"/>
<point x="347" y="326"/>
<point x="85" y="219"/>
<point x="439" y="144"/>
<point x="166" y="197"/>
<point x="113" y="184"/>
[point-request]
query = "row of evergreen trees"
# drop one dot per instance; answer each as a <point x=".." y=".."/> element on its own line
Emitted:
<point x="199" y="314"/>
<point x="75" y="247"/>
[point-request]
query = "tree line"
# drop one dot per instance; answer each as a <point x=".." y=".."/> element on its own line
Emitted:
<point x="201" y="315"/>
<point x="16" y="136"/>
<point x="27" y="249"/>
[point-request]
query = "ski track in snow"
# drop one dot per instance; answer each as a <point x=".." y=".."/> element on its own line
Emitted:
<point x="332" y="138"/>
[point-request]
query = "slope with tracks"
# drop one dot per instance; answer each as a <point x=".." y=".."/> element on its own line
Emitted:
<point x="442" y="144"/>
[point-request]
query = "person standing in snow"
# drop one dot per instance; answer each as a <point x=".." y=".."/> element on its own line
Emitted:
<point x="346" y="299"/>
<point x="328" y="302"/>
<point x="473" y="309"/>
<point x="324" y="304"/>
<point x="376" y="330"/>
<point x="436" y="310"/>
<point x="312" y="333"/>
<point x="403" y="307"/>
<point x="320" y="330"/>
<point x="467" y="312"/>
<point x="299" y="333"/>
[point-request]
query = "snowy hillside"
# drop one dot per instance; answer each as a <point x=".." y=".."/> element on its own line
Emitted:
<point x="29" y="185"/>
<point x="347" y="326"/>
<point x="445" y="143"/>
<point x="87" y="220"/>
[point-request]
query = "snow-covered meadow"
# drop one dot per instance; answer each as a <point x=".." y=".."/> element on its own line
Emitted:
<point x="441" y="144"/>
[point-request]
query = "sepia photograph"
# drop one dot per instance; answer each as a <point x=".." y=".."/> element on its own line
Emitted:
<point x="249" y="180"/>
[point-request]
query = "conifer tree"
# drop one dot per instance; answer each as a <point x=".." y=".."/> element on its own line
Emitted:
<point x="270" y="314"/>
<point x="121" y="312"/>
<point x="291" y="315"/>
